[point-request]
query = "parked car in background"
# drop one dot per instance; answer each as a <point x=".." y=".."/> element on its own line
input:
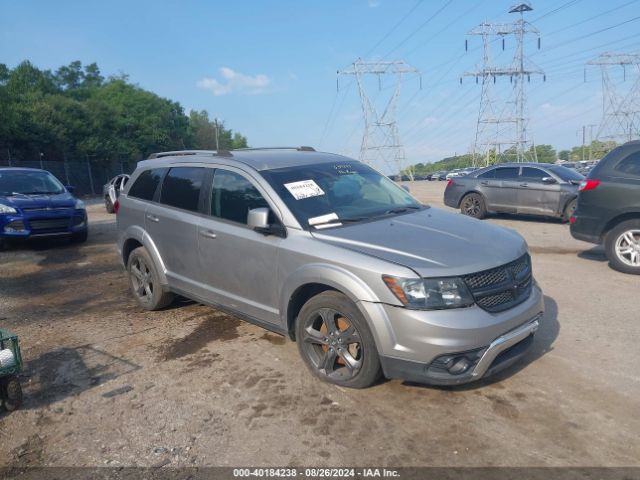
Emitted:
<point x="609" y="207"/>
<point x="111" y="190"/>
<point x="329" y="252"/>
<point x="442" y="176"/>
<point x="524" y="188"/>
<point x="34" y="204"/>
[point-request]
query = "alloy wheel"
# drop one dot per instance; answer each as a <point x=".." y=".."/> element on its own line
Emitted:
<point x="471" y="206"/>
<point x="333" y="344"/>
<point x="627" y="248"/>
<point x="142" y="279"/>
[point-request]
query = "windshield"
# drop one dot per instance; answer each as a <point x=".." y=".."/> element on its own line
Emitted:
<point x="330" y="194"/>
<point x="28" y="183"/>
<point x="567" y="174"/>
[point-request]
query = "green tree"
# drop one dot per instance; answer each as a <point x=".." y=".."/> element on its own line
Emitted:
<point x="75" y="113"/>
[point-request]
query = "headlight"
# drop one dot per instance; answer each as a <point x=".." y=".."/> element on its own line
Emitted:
<point x="7" y="209"/>
<point x="430" y="293"/>
<point x="79" y="205"/>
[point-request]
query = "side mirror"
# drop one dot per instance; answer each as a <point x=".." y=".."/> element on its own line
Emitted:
<point x="258" y="219"/>
<point x="405" y="188"/>
<point x="70" y="188"/>
<point x="549" y="180"/>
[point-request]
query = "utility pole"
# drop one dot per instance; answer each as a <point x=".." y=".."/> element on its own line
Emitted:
<point x="41" y="163"/>
<point x="216" y="124"/>
<point x="381" y="146"/>
<point x="502" y="123"/>
<point x="584" y="130"/>
<point x="591" y="141"/>
<point x="620" y="109"/>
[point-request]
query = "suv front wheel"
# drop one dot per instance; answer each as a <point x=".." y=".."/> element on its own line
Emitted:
<point x="622" y="246"/>
<point x="145" y="281"/>
<point x="335" y="342"/>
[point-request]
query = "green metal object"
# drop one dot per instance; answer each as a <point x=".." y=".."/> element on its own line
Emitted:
<point x="10" y="341"/>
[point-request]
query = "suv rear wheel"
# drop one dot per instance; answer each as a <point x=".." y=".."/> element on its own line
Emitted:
<point x="622" y="246"/>
<point x="145" y="281"/>
<point x="335" y="342"/>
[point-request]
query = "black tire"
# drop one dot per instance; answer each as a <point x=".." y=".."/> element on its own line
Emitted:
<point x="472" y="205"/>
<point x="11" y="393"/>
<point x="324" y="326"/>
<point x="144" y="281"/>
<point x="80" y="237"/>
<point x="624" y="236"/>
<point x="108" y="205"/>
<point x="569" y="209"/>
<point x="3" y="245"/>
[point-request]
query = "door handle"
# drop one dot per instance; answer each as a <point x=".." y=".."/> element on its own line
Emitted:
<point x="207" y="233"/>
<point x="153" y="218"/>
<point x="484" y="183"/>
<point x="524" y="184"/>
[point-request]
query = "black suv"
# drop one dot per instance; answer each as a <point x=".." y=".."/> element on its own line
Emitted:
<point x="609" y="207"/>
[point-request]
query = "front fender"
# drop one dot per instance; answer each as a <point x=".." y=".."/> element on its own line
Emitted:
<point x="349" y="284"/>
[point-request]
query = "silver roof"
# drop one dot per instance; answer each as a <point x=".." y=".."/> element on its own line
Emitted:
<point x="258" y="159"/>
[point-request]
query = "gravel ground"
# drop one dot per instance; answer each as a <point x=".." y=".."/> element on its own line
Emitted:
<point x="107" y="383"/>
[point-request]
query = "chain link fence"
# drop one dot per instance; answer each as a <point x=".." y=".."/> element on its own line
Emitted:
<point x="86" y="176"/>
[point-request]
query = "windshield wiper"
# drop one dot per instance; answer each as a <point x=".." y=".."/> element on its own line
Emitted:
<point x="402" y="209"/>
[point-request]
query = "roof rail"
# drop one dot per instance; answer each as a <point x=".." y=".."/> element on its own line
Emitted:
<point x="179" y="153"/>
<point x="303" y="148"/>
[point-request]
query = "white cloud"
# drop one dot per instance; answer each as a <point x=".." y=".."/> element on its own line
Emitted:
<point x="373" y="3"/>
<point x="235" y="82"/>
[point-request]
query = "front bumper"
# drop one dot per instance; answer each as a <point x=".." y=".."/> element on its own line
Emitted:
<point x="503" y="352"/>
<point x="414" y="345"/>
<point x="62" y="223"/>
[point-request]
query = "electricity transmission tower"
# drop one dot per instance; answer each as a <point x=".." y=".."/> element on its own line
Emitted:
<point x="381" y="146"/>
<point x="502" y="120"/>
<point x="620" y="108"/>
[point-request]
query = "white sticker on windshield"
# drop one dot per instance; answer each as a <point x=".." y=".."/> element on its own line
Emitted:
<point x="323" y="219"/>
<point x="304" y="189"/>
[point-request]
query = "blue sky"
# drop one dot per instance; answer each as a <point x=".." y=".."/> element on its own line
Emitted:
<point x="268" y="68"/>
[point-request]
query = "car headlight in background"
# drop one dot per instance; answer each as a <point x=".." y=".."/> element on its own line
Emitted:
<point x="6" y="209"/>
<point x="79" y="205"/>
<point x="430" y="293"/>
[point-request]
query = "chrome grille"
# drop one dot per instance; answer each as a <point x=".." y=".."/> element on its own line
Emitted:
<point x="44" y="209"/>
<point x="502" y="287"/>
<point x="48" y="224"/>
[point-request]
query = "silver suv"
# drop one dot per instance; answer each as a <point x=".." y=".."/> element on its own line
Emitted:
<point x="327" y="251"/>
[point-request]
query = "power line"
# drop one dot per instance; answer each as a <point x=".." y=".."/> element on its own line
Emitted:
<point x="398" y="23"/>
<point x="422" y="25"/>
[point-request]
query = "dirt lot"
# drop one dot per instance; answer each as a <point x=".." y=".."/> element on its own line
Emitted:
<point x="109" y="384"/>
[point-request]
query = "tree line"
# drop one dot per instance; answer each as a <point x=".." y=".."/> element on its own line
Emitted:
<point x="542" y="153"/>
<point x="77" y="113"/>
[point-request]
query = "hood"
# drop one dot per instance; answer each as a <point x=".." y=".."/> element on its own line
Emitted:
<point x="61" y="200"/>
<point x="431" y="242"/>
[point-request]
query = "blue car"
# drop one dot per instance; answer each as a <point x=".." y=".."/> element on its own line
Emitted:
<point x="34" y="204"/>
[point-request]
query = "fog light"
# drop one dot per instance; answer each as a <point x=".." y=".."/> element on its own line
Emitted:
<point x="460" y="365"/>
<point x="14" y="227"/>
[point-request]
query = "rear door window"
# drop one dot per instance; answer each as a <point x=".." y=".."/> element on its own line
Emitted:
<point x="146" y="184"/>
<point x="534" y="174"/>
<point x="506" y="173"/>
<point x="630" y="165"/>
<point x="232" y="196"/>
<point x="488" y="174"/>
<point x="181" y="188"/>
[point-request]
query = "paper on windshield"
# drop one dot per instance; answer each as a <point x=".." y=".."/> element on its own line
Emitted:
<point x="304" y="189"/>
<point x="325" y="221"/>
